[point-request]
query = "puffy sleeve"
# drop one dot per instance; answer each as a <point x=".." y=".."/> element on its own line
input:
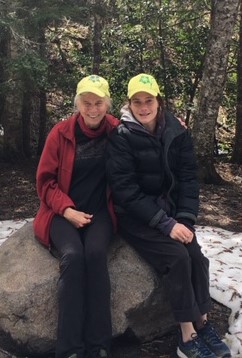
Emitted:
<point x="123" y="181"/>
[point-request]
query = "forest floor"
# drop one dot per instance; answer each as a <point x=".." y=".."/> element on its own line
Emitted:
<point x="220" y="206"/>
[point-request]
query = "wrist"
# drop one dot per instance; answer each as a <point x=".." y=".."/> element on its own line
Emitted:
<point x="67" y="212"/>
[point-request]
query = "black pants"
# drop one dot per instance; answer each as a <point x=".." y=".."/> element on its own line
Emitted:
<point x="84" y="320"/>
<point x="185" y="267"/>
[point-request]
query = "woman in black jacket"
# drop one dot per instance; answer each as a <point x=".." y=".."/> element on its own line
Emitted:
<point x="152" y="173"/>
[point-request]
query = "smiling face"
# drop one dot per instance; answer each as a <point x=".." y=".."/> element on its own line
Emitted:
<point x="92" y="108"/>
<point x="145" y="108"/>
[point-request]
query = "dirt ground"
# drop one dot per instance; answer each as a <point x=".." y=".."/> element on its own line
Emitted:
<point x="220" y="206"/>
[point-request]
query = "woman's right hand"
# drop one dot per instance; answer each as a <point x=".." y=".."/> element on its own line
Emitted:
<point x="77" y="218"/>
<point x="181" y="233"/>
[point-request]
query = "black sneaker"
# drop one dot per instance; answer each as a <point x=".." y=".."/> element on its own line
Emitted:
<point x="209" y="335"/>
<point x="195" y="348"/>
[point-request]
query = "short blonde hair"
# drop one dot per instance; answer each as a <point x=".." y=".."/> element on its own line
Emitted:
<point x="107" y="99"/>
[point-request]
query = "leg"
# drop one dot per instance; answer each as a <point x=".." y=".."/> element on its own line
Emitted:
<point x="67" y="243"/>
<point x="200" y="277"/>
<point x="98" y="329"/>
<point x="171" y="258"/>
<point x="186" y="270"/>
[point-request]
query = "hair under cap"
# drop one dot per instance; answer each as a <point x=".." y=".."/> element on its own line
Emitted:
<point x="94" y="84"/>
<point x="143" y="83"/>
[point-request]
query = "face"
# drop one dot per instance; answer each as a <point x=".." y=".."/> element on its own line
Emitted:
<point x="144" y="108"/>
<point x="92" y="108"/>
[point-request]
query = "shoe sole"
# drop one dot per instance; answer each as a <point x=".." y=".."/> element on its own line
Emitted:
<point x="180" y="353"/>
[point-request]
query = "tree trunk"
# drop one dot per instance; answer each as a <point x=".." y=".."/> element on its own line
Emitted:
<point x="223" y="16"/>
<point x="194" y="87"/>
<point x="3" y="55"/>
<point x="13" y="97"/>
<point x="237" y="151"/>
<point x="97" y="38"/>
<point x="163" y="63"/>
<point x="12" y="113"/>
<point x="26" y="120"/>
<point x="42" y="122"/>
<point x="42" y="117"/>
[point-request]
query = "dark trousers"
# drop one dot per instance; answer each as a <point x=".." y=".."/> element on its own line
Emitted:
<point x="84" y="320"/>
<point x="185" y="267"/>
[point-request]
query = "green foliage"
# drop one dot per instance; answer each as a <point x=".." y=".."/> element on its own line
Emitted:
<point x="29" y="71"/>
<point x="166" y="38"/>
<point x="66" y="43"/>
<point x="30" y="24"/>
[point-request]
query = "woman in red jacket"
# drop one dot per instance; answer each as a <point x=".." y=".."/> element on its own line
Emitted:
<point x="75" y="220"/>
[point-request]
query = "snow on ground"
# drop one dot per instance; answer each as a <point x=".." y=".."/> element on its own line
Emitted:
<point x="8" y="227"/>
<point x="224" y="250"/>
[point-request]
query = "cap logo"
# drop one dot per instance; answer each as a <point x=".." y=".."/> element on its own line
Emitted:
<point x="94" y="78"/>
<point x="145" y="80"/>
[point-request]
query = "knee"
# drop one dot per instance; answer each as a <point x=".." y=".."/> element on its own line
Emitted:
<point x="96" y="256"/>
<point x="195" y="253"/>
<point x="182" y="259"/>
<point x="72" y="261"/>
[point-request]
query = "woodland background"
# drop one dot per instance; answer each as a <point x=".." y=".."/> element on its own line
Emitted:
<point x="193" y="48"/>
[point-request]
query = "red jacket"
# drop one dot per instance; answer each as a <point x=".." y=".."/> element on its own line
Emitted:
<point x="54" y="175"/>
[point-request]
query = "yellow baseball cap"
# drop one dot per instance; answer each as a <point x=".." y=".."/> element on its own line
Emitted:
<point x="94" y="84"/>
<point x="143" y="83"/>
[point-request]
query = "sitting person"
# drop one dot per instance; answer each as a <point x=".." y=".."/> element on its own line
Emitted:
<point x="152" y="174"/>
<point x="75" y="220"/>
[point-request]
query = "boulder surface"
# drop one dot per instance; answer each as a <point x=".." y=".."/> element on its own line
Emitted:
<point x="28" y="295"/>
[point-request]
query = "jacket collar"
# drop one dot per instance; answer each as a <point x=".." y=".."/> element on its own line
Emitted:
<point x="67" y="128"/>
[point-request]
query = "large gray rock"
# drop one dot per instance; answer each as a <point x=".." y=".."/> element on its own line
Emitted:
<point x="28" y="295"/>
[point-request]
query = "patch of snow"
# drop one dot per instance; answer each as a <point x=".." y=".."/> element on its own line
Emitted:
<point x="8" y="227"/>
<point x="224" y="251"/>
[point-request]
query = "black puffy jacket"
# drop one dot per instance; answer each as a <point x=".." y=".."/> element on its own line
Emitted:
<point x="138" y="162"/>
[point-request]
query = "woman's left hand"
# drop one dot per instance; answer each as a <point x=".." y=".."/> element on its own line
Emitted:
<point x="77" y="218"/>
<point x="181" y="233"/>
